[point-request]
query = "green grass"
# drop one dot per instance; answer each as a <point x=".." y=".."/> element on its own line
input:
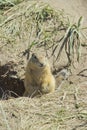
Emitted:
<point x="72" y="41"/>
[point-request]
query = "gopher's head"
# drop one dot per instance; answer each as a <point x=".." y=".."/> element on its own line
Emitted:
<point x="39" y="60"/>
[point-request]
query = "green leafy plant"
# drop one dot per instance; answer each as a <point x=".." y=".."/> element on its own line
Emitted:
<point x="72" y="42"/>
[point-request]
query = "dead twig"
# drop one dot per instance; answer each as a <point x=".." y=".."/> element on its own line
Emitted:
<point x="76" y="98"/>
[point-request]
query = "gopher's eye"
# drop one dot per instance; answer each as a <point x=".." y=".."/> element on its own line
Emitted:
<point x="34" y="56"/>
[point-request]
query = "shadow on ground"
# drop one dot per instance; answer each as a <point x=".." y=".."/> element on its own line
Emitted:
<point x="10" y="84"/>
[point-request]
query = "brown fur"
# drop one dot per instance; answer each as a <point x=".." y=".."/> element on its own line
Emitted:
<point x="38" y="76"/>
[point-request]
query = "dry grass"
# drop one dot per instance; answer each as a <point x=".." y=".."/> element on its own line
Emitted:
<point x="38" y="25"/>
<point x="6" y="4"/>
<point x="32" y="23"/>
<point x="56" y="111"/>
<point x="22" y="27"/>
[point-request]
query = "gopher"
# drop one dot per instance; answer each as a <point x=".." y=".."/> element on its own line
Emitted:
<point x="38" y="76"/>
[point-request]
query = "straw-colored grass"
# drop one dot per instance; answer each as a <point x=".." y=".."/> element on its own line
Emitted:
<point x="55" y="111"/>
<point x="6" y="4"/>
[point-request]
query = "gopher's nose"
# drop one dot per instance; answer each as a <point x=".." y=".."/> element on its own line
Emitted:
<point x="41" y="65"/>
